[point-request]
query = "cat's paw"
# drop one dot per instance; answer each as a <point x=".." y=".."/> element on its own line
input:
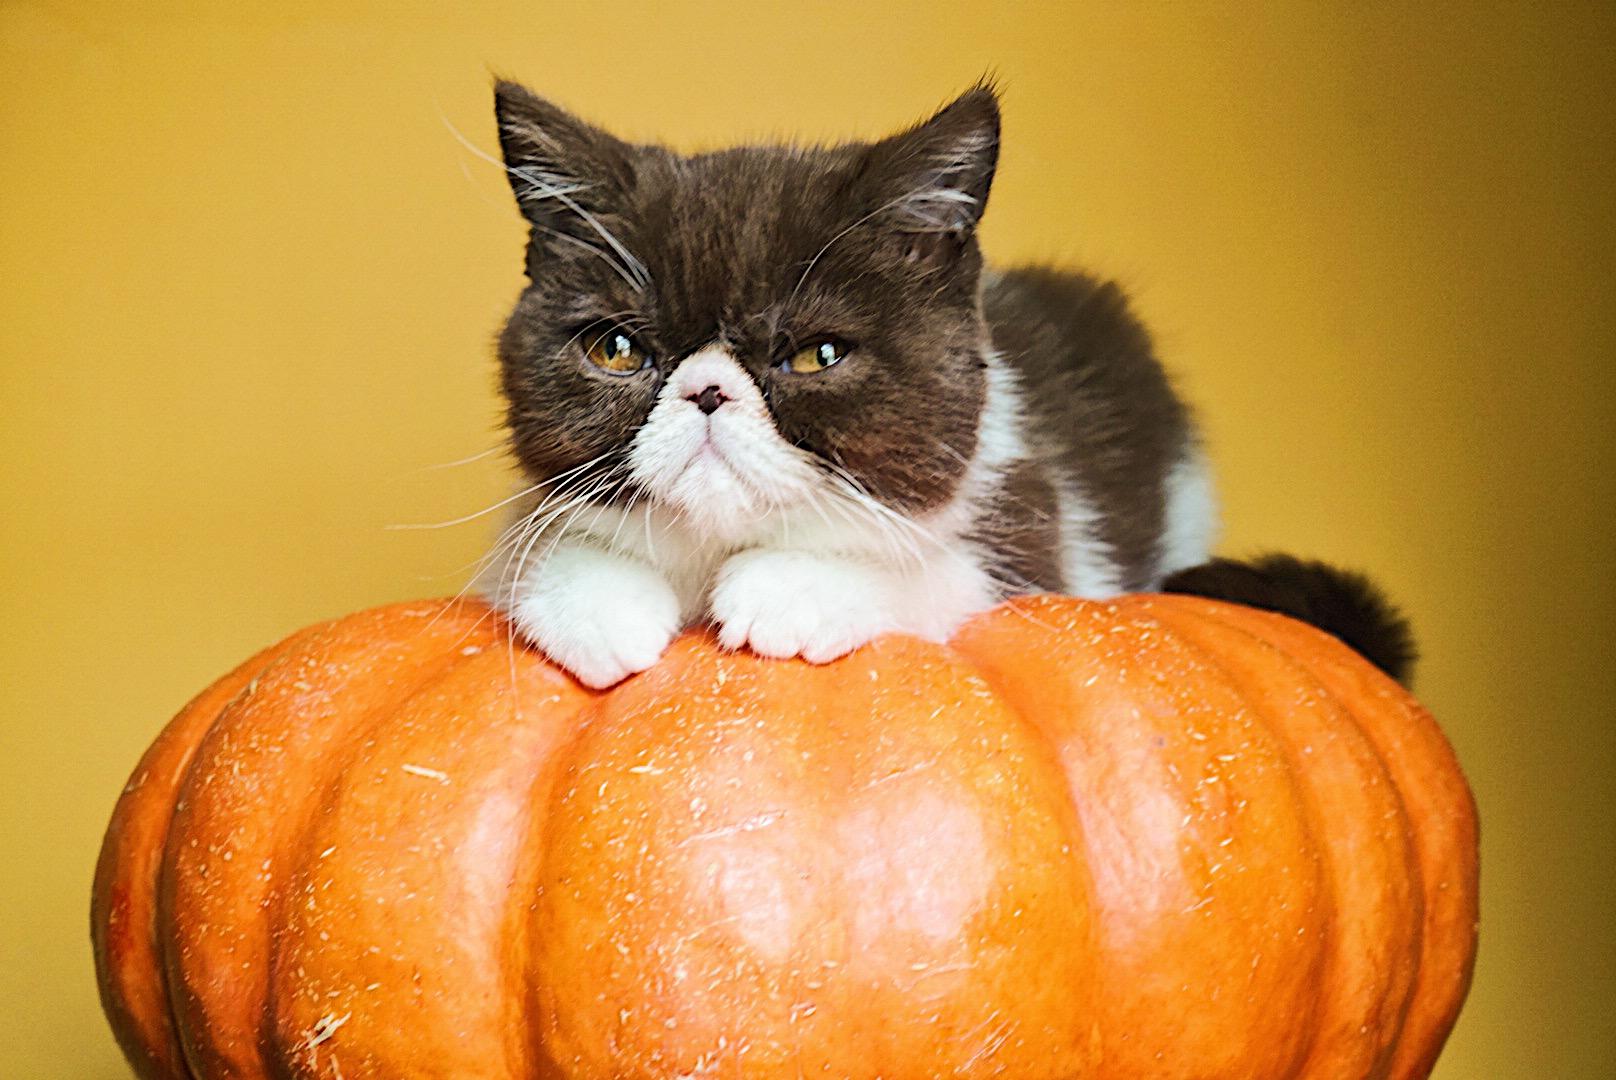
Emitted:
<point x="601" y="616"/>
<point x="792" y="603"/>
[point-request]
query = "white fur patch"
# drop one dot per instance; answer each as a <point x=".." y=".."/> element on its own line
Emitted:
<point x="1087" y="566"/>
<point x="961" y="582"/>
<point x="999" y="446"/>
<point x="1190" y="521"/>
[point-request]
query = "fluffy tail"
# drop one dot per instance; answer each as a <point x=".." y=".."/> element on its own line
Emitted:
<point x="1340" y="602"/>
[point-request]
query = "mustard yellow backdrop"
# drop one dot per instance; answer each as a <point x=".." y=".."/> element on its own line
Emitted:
<point x="251" y="259"/>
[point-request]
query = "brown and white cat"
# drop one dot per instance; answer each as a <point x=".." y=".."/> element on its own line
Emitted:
<point x="775" y="388"/>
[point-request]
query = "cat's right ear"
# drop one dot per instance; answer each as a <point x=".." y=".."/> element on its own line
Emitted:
<point x="561" y="169"/>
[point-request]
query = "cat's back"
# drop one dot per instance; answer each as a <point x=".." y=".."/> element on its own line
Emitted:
<point x="1104" y="422"/>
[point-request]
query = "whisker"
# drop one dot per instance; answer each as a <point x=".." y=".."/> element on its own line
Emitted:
<point x="571" y="507"/>
<point x="507" y="540"/>
<point x="622" y="271"/>
<point x="622" y="518"/>
<point x="468" y="517"/>
<point x="551" y="187"/>
<point x="490" y="452"/>
<point x="514" y="534"/>
<point x="918" y="194"/>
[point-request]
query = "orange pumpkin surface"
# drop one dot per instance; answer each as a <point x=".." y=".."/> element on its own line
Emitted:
<point x="1157" y="837"/>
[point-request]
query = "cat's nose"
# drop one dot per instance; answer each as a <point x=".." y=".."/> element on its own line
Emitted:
<point x="709" y="377"/>
<point x="709" y="399"/>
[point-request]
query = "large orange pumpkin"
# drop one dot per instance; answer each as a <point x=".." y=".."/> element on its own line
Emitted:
<point x="1158" y="837"/>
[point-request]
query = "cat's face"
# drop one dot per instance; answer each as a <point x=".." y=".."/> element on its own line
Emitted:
<point x="746" y="331"/>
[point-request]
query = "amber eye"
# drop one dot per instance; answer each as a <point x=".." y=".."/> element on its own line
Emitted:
<point x="616" y="352"/>
<point x="817" y="357"/>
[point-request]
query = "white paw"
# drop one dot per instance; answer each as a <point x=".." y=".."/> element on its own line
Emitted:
<point x="792" y="603"/>
<point x="601" y="616"/>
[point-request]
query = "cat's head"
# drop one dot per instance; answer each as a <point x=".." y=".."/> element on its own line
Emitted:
<point x="759" y="328"/>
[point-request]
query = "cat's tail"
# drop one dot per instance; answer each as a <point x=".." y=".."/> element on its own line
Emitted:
<point x="1340" y="602"/>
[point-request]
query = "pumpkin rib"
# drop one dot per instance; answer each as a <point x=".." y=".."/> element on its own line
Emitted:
<point x="794" y="862"/>
<point x="1160" y="726"/>
<point x="124" y="913"/>
<point x="1443" y="834"/>
<point x="214" y="902"/>
<point x="1375" y="898"/>
<point x="517" y="967"/>
<point x="1322" y="925"/>
<point x="295" y="1038"/>
<point x="454" y="768"/>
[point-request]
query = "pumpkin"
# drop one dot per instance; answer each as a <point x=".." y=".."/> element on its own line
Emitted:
<point x="1154" y="837"/>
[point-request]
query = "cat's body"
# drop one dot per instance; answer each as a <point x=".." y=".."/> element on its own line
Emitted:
<point x="774" y="388"/>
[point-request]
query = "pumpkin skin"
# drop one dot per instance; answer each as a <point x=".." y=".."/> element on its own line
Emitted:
<point x="1152" y="837"/>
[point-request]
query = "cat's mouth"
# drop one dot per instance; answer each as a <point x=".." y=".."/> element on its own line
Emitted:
<point x="709" y="450"/>
<point x="709" y="457"/>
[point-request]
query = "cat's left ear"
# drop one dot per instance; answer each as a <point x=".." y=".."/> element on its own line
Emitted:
<point x="930" y="183"/>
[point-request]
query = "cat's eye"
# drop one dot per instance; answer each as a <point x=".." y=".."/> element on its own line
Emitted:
<point x="616" y="352"/>
<point x="817" y="357"/>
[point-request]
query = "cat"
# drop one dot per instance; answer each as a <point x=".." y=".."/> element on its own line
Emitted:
<point x="776" y="389"/>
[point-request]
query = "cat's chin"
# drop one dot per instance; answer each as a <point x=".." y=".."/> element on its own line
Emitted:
<point x="711" y="500"/>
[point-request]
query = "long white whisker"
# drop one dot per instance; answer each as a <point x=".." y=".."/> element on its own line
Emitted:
<point x="634" y="497"/>
<point x="860" y="494"/>
<point x="469" y="517"/>
<point x="562" y="485"/>
<point x="650" y="544"/>
<point x="622" y="271"/>
<point x="490" y="452"/>
<point x="508" y="539"/>
<point x="503" y="502"/>
<point x="640" y="277"/>
<point x="572" y="507"/>
<point x="854" y="508"/>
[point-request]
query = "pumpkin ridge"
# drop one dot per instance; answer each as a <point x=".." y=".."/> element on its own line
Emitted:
<point x="210" y="990"/>
<point x="1413" y="900"/>
<point x="426" y="821"/>
<point x="1443" y="811"/>
<point x="134" y="989"/>
<point x="1364" y="967"/>
<point x="676" y="884"/>
<point x="1324" y="898"/>
<point x="522" y="986"/>
<point x="1130" y="718"/>
<point x="286" y="1040"/>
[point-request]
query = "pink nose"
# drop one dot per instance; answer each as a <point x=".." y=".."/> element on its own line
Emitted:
<point x="709" y="399"/>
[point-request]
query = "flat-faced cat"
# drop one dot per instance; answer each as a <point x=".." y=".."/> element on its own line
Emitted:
<point x="775" y="388"/>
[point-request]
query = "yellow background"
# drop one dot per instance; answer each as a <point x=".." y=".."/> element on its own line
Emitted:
<point x="249" y="276"/>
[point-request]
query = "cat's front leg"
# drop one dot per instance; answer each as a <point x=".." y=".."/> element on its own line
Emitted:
<point x="785" y="603"/>
<point x="600" y="614"/>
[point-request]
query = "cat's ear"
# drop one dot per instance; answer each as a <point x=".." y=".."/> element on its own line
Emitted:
<point x="560" y="168"/>
<point x="930" y="183"/>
